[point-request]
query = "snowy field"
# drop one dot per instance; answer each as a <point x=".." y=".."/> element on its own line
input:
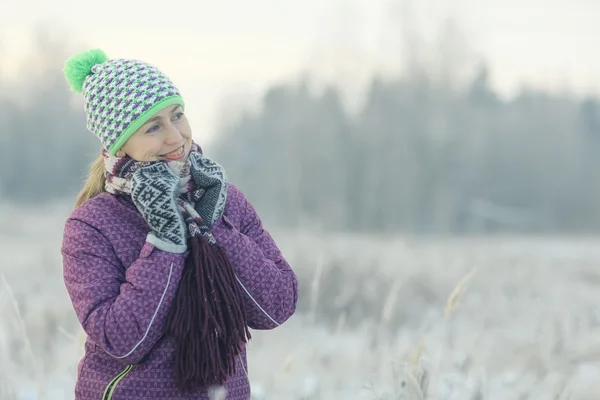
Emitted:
<point x="379" y="318"/>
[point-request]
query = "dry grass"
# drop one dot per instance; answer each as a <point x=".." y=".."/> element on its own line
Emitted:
<point x="378" y="319"/>
<point x="457" y="293"/>
<point x="23" y="334"/>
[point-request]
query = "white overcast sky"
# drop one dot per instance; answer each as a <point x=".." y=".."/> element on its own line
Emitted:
<point x="228" y="50"/>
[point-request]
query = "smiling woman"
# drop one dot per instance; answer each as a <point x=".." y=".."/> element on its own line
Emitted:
<point x="166" y="263"/>
<point x="167" y="135"/>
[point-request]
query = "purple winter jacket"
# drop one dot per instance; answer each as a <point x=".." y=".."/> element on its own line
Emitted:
<point x="122" y="289"/>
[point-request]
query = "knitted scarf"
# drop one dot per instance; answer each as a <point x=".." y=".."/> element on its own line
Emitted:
<point x="207" y="320"/>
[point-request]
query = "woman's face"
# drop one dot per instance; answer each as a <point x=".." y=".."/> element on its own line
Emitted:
<point x="166" y="136"/>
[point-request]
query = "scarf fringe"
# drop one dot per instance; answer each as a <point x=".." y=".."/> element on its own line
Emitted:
<point x="208" y="319"/>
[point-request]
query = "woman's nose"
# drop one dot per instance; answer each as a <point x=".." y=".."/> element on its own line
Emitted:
<point x="173" y="136"/>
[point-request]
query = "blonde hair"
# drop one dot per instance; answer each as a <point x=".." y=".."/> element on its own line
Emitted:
<point x="94" y="185"/>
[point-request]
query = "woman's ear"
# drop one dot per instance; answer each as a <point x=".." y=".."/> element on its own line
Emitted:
<point x="120" y="153"/>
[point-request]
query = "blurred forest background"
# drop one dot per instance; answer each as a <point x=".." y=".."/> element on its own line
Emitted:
<point x="433" y="150"/>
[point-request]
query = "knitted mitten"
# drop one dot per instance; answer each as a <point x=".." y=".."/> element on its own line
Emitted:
<point x="211" y="177"/>
<point x="154" y="191"/>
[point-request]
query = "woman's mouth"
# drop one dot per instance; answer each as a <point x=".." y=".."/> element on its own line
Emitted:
<point x="175" y="154"/>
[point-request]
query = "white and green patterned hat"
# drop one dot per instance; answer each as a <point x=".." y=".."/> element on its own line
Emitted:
<point x="120" y="95"/>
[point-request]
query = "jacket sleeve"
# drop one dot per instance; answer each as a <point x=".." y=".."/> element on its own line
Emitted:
<point x="122" y="311"/>
<point x="267" y="280"/>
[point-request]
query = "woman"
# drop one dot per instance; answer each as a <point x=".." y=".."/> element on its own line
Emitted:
<point x="166" y="263"/>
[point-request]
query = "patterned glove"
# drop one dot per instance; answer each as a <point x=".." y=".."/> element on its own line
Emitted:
<point x="211" y="177"/>
<point x="154" y="190"/>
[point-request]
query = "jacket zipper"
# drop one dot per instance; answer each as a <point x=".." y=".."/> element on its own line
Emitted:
<point x="112" y="385"/>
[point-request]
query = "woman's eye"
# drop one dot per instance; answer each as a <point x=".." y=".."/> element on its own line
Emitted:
<point x="153" y="128"/>
<point x="178" y="116"/>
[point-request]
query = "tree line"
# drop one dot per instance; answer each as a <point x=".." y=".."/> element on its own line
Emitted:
<point x="422" y="155"/>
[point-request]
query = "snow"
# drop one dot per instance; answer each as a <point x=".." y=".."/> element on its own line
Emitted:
<point x="370" y="320"/>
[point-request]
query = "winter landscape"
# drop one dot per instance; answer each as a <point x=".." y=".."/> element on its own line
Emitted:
<point x="429" y="169"/>
<point x="393" y="318"/>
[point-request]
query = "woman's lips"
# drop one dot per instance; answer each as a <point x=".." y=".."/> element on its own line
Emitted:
<point x="175" y="154"/>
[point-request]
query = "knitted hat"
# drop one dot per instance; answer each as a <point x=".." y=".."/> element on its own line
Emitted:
<point x="120" y="95"/>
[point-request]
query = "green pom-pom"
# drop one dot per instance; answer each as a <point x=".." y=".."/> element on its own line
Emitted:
<point x="79" y="66"/>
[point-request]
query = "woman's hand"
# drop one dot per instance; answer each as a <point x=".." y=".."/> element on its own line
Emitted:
<point x="211" y="177"/>
<point x="155" y="189"/>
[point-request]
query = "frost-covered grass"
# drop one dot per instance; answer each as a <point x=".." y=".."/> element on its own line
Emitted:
<point x="379" y="318"/>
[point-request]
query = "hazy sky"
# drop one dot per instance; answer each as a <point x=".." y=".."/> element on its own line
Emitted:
<point x="229" y="51"/>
